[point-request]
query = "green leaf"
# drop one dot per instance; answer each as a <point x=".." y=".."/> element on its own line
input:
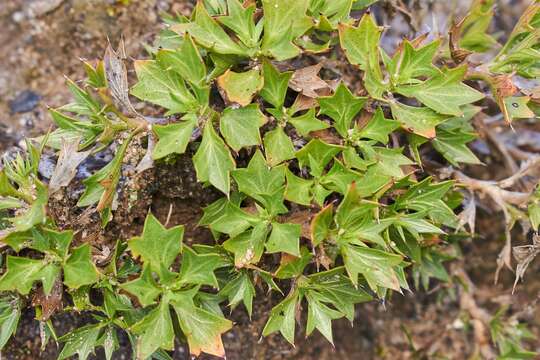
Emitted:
<point x="163" y="87"/>
<point x="332" y="11"/>
<point x="284" y="238"/>
<point x="10" y="313"/>
<point x="284" y="21"/>
<point x="81" y="342"/>
<point x="378" y="128"/>
<point x="173" y="138"/>
<point x="202" y="328"/>
<point x="258" y="179"/>
<point x="198" y="269"/>
<point x="241" y="87"/>
<point x="361" y="4"/>
<point x="308" y="122"/>
<point x="158" y="247"/>
<point x="207" y="32"/>
<point x="375" y="265"/>
<point x="248" y="247"/>
<point x="534" y="214"/>
<point x="317" y="153"/>
<point x="342" y="107"/>
<point x="453" y="146"/>
<point x="101" y="186"/>
<point x="240" y="289"/>
<point x="338" y="178"/>
<point x="283" y="318"/>
<point x="361" y="46"/>
<point x="21" y="274"/>
<point x="278" y="146"/>
<point x="416" y="225"/>
<point x="144" y="287"/>
<point x="320" y="316"/>
<point x="275" y="85"/>
<point x="444" y="92"/>
<point x="413" y="63"/>
<point x="240" y="127"/>
<point x="298" y="189"/>
<point x="418" y="120"/>
<point x="154" y="331"/>
<point x="291" y="267"/>
<point x="338" y="290"/>
<point x="352" y="212"/>
<point x="185" y="61"/>
<point x="213" y="161"/>
<point x="240" y="20"/>
<point x="321" y="225"/>
<point x="517" y="107"/>
<point x="79" y="269"/>
<point x="226" y="217"/>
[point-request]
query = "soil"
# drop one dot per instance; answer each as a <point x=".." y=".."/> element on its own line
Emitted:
<point x="43" y="40"/>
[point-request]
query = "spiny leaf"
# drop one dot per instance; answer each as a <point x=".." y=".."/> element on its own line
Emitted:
<point x="444" y="92"/>
<point x="282" y="318"/>
<point x="213" y="161"/>
<point x="186" y="61"/>
<point x="144" y="287"/>
<point x="158" y="246"/>
<point x="79" y="270"/>
<point x="361" y="46"/>
<point x="248" y="247"/>
<point x="342" y="107"/>
<point x="241" y="87"/>
<point x="198" y="269"/>
<point x="21" y="274"/>
<point x="378" y="128"/>
<point x="240" y="289"/>
<point x="207" y="32"/>
<point x="411" y="63"/>
<point x="163" y="87"/>
<point x="202" y="328"/>
<point x="240" y="20"/>
<point x="284" y="238"/>
<point x="307" y="123"/>
<point x="418" y="120"/>
<point x="154" y="331"/>
<point x="278" y="146"/>
<point x="240" y="127"/>
<point x="375" y="265"/>
<point x="298" y="189"/>
<point x="258" y="178"/>
<point x="81" y="341"/>
<point x="173" y="138"/>
<point x="275" y="85"/>
<point x="320" y="316"/>
<point x="284" y="21"/>
<point x="317" y="154"/>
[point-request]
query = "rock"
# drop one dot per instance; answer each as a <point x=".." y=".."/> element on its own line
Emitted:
<point x="26" y="101"/>
<point x="41" y="7"/>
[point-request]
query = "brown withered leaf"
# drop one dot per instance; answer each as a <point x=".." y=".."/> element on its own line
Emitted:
<point x="524" y="255"/>
<point x="467" y="216"/>
<point x="302" y="218"/>
<point x="147" y="162"/>
<point x="458" y="54"/>
<point x="116" y="74"/>
<point x="327" y="136"/>
<point x="66" y="166"/>
<point x="308" y="82"/>
<point x="51" y="303"/>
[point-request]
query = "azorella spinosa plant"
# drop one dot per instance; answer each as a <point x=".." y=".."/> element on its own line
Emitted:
<point x="324" y="199"/>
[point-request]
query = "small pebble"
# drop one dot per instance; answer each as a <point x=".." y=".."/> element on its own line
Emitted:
<point x="26" y="101"/>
